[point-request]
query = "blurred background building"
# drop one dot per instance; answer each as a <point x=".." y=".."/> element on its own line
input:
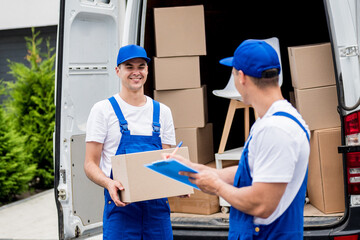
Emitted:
<point x="16" y="19"/>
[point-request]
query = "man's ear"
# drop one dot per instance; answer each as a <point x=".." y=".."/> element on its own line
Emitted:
<point x="117" y="69"/>
<point x="242" y="78"/>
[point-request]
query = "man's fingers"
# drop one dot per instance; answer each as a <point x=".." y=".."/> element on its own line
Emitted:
<point x="165" y="156"/>
<point x="115" y="194"/>
<point x="188" y="174"/>
<point x="117" y="200"/>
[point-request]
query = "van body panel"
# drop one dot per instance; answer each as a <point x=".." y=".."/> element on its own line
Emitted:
<point x="89" y="34"/>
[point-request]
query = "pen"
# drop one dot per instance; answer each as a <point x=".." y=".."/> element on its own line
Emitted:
<point x="176" y="148"/>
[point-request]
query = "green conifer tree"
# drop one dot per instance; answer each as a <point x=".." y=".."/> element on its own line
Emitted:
<point x="30" y="106"/>
<point x="15" y="170"/>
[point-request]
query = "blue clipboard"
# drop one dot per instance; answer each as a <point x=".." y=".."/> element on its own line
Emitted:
<point x="171" y="168"/>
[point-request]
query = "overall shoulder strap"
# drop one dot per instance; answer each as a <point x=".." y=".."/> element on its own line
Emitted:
<point x="156" y="118"/>
<point x="123" y="123"/>
<point x="285" y="114"/>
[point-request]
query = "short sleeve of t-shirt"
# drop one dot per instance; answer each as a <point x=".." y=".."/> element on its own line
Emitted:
<point x="275" y="156"/>
<point x="167" y="129"/>
<point x="97" y="124"/>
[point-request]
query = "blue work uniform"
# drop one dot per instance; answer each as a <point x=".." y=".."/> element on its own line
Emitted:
<point x="288" y="226"/>
<point x="143" y="220"/>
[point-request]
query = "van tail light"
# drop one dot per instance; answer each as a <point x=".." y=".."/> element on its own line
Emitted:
<point x="349" y="237"/>
<point x="352" y="128"/>
<point x="353" y="172"/>
<point x="352" y="136"/>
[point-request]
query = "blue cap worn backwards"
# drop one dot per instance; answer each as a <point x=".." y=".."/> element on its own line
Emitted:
<point x="131" y="51"/>
<point x="253" y="57"/>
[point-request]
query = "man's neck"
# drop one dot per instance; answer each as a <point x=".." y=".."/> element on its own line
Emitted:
<point x="136" y="99"/>
<point x="268" y="97"/>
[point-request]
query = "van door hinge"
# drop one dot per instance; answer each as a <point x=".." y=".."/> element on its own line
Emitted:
<point x="350" y="51"/>
<point x="348" y="149"/>
<point x="62" y="194"/>
<point x="63" y="175"/>
<point x="77" y="231"/>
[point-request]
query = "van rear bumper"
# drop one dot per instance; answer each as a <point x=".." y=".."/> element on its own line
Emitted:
<point x="349" y="225"/>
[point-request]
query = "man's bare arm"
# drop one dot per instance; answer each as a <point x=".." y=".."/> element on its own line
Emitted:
<point x="95" y="174"/>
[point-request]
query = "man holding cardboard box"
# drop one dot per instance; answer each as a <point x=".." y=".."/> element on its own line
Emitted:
<point x="267" y="189"/>
<point x="108" y="134"/>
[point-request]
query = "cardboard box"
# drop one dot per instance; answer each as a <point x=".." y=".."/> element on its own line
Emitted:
<point x="311" y="66"/>
<point x="225" y="164"/>
<point x="141" y="183"/>
<point x="318" y="107"/>
<point x="180" y="31"/>
<point x="325" y="176"/>
<point x="177" y="73"/>
<point x="198" y="203"/>
<point x="199" y="141"/>
<point x="188" y="106"/>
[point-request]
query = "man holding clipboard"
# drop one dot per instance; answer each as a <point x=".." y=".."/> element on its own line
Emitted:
<point x="267" y="189"/>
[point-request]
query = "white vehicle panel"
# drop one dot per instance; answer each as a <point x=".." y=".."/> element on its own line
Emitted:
<point x="344" y="17"/>
<point x="91" y="38"/>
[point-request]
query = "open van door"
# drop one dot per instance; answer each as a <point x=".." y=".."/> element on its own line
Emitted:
<point x="90" y="33"/>
<point x="343" y="17"/>
<point x="344" y="27"/>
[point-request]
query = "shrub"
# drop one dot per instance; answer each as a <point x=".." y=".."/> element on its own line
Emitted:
<point x="30" y="107"/>
<point x="15" y="170"/>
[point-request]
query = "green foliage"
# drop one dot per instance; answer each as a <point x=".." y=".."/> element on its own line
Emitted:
<point x="30" y="107"/>
<point x="15" y="170"/>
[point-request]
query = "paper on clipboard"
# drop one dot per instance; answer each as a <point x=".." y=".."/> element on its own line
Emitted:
<point x="171" y="168"/>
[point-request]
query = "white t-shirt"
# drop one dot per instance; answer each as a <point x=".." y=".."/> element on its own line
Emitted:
<point x="103" y="126"/>
<point x="279" y="152"/>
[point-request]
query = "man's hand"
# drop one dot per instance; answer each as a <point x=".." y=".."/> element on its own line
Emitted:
<point x="207" y="181"/>
<point x="114" y="188"/>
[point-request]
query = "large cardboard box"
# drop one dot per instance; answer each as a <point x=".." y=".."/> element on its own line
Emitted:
<point x="318" y="107"/>
<point x="188" y="106"/>
<point x="180" y="31"/>
<point x="325" y="176"/>
<point x="198" y="203"/>
<point x="177" y="73"/>
<point x="141" y="183"/>
<point x="199" y="141"/>
<point x="311" y="66"/>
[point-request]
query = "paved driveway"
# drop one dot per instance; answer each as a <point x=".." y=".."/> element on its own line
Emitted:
<point x="32" y="218"/>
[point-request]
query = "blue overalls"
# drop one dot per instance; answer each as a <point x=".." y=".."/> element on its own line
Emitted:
<point x="140" y="220"/>
<point x="288" y="226"/>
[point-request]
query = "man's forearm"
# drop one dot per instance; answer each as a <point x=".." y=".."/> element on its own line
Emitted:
<point x="227" y="174"/>
<point x="96" y="175"/>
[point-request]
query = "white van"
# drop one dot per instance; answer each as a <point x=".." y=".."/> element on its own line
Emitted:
<point x="90" y="32"/>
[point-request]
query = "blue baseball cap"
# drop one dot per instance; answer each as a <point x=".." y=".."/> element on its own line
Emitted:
<point x="131" y="51"/>
<point x="253" y="57"/>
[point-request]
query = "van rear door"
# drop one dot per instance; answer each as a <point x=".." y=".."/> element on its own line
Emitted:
<point x="344" y="28"/>
<point x="89" y="36"/>
<point x="343" y="19"/>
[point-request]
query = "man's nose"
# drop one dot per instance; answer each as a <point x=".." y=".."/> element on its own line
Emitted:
<point x="136" y="71"/>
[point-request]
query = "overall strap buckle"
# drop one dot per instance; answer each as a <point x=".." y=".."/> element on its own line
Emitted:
<point x="156" y="127"/>
<point x="124" y="126"/>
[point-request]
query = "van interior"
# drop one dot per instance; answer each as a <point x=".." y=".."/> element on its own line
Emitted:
<point x="227" y="24"/>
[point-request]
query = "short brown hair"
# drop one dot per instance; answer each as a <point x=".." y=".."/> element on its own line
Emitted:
<point x="269" y="78"/>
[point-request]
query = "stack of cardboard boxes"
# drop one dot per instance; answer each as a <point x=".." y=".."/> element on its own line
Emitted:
<point x="180" y="41"/>
<point x="313" y="79"/>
